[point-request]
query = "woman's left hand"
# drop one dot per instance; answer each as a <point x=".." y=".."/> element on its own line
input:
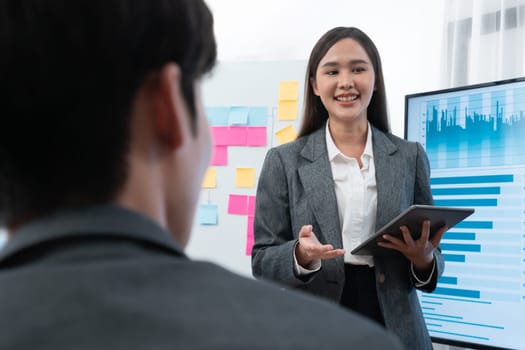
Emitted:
<point x="419" y="252"/>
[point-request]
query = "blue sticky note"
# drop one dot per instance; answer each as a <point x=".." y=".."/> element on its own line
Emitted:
<point x="238" y="115"/>
<point x="218" y="116"/>
<point x="207" y="214"/>
<point x="258" y="116"/>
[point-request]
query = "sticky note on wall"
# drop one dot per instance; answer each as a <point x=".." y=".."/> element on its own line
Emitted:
<point x="245" y="177"/>
<point x="249" y="236"/>
<point x="217" y="115"/>
<point x="237" y="136"/>
<point x="238" y="115"/>
<point x="287" y="110"/>
<point x="258" y="116"/>
<point x="219" y="155"/>
<point x="210" y="178"/>
<point x="288" y="90"/>
<point x="238" y="204"/>
<point x="286" y="134"/>
<point x="207" y="214"/>
<point x="220" y="135"/>
<point x="287" y="105"/>
<point x="256" y="136"/>
<point x="241" y="204"/>
<point x="251" y="205"/>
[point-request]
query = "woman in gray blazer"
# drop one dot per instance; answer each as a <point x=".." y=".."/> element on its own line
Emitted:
<point x="344" y="177"/>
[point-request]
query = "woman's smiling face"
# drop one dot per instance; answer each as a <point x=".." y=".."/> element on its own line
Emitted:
<point x="345" y="81"/>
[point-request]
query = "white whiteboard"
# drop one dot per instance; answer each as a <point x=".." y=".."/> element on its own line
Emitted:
<point x="253" y="84"/>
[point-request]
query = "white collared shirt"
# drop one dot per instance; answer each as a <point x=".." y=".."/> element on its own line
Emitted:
<point x="356" y="192"/>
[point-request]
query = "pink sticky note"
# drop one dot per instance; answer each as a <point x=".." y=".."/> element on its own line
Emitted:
<point x="237" y="136"/>
<point x="219" y="155"/>
<point x="251" y="205"/>
<point x="256" y="136"/>
<point x="220" y="135"/>
<point x="238" y="204"/>
<point x="249" y="236"/>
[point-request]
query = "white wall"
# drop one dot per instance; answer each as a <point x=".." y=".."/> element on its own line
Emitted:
<point x="406" y="32"/>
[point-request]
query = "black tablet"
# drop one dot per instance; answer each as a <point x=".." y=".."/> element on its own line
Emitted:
<point x="413" y="218"/>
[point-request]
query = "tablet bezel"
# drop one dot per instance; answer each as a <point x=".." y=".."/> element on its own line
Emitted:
<point x="413" y="218"/>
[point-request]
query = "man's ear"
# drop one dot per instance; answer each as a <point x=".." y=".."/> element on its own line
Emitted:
<point x="169" y="106"/>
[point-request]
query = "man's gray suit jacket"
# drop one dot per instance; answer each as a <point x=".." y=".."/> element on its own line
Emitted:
<point x="109" y="278"/>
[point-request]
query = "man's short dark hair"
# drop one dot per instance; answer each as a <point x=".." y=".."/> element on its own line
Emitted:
<point x="69" y="71"/>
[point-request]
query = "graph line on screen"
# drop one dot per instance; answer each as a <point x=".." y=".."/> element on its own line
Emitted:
<point x="474" y="137"/>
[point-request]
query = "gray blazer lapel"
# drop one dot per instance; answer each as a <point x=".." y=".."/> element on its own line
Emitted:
<point x="316" y="177"/>
<point x="387" y="168"/>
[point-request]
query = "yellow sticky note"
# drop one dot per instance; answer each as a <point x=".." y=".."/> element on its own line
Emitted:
<point x="286" y="134"/>
<point x="210" y="179"/>
<point x="287" y="110"/>
<point x="288" y="90"/>
<point x="245" y="177"/>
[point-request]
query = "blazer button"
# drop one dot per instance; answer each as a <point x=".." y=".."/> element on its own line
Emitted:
<point x="381" y="278"/>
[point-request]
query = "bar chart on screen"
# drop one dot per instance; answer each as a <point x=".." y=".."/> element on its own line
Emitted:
<point x="483" y="255"/>
<point x="475" y="141"/>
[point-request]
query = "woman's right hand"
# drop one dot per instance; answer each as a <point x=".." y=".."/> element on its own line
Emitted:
<point x="309" y="249"/>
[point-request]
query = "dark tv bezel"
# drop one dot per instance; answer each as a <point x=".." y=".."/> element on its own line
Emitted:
<point x="440" y="340"/>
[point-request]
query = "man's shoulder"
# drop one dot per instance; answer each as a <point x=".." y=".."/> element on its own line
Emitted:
<point x="180" y="302"/>
<point x="290" y="317"/>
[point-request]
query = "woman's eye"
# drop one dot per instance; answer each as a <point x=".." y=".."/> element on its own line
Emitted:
<point x="358" y="70"/>
<point x="331" y="72"/>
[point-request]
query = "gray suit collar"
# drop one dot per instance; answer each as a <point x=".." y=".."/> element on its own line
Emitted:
<point x="317" y="179"/>
<point x="388" y="166"/>
<point x="101" y="220"/>
<point x="315" y="145"/>
<point x="381" y="143"/>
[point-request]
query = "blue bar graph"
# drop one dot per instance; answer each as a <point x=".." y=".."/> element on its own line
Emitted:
<point x="448" y="280"/>
<point x="460" y="247"/>
<point x="475" y="143"/>
<point x="483" y="202"/>
<point x="469" y="323"/>
<point x="463" y="236"/>
<point x="455" y="191"/>
<point x="475" y="224"/>
<point x="428" y="308"/>
<point x="444" y="316"/>
<point x="463" y="246"/>
<point x="456" y="180"/>
<point x="458" y="334"/>
<point x="457" y="292"/>
<point x="454" y="257"/>
<point x="473" y="301"/>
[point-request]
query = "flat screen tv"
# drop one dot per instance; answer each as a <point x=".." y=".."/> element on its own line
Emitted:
<point x="474" y="137"/>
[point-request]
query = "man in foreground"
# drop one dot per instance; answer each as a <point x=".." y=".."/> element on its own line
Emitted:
<point x="103" y="146"/>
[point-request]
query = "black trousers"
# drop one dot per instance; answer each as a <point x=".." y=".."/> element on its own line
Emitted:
<point x="360" y="294"/>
